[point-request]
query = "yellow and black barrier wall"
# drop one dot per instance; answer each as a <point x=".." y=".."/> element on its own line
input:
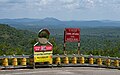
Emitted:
<point x="25" y="60"/>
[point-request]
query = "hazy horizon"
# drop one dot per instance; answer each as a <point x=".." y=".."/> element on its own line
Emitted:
<point x="60" y="19"/>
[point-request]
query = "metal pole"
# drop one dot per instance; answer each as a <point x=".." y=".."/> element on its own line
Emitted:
<point x="64" y="44"/>
<point x="78" y="52"/>
<point x="79" y="44"/>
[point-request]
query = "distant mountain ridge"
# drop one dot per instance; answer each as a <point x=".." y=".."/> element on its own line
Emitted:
<point x="52" y="23"/>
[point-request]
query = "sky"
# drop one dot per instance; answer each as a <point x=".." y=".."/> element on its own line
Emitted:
<point x="61" y="9"/>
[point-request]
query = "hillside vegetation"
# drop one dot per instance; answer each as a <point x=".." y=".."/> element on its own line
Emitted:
<point x="13" y="41"/>
<point x="98" y="41"/>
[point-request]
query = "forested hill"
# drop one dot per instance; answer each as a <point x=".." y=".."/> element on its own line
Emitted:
<point x="96" y="41"/>
<point x="14" y="41"/>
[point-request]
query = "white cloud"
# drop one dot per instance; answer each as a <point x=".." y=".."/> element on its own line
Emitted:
<point x="57" y="6"/>
<point x="67" y="4"/>
<point x="2" y="1"/>
<point x="67" y="1"/>
<point x="61" y="4"/>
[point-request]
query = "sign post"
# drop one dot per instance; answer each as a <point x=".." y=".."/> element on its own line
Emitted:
<point x="64" y="44"/>
<point x="72" y="35"/>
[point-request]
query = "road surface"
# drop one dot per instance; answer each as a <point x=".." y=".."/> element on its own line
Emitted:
<point x="62" y="71"/>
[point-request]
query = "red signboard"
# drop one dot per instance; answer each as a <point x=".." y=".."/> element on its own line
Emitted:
<point x="42" y="48"/>
<point x="72" y="34"/>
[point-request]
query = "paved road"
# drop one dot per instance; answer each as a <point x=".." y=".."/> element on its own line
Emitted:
<point x="62" y="71"/>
